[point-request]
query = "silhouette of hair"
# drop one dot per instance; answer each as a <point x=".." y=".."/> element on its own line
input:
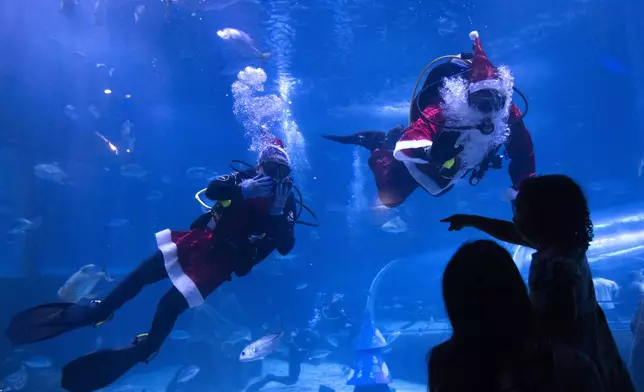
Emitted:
<point x="485" y="297"/>
<point x="555" y="211"/>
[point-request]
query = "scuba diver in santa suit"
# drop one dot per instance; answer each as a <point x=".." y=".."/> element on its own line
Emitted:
<point x="458" y="122"/>
<point x="254" y="215"/>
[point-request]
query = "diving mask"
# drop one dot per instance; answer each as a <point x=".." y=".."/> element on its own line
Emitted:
<point x="275" y="170"/>
<point x="486" y="100"/>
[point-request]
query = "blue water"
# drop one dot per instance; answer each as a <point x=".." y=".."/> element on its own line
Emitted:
<point x="68" y="85"/>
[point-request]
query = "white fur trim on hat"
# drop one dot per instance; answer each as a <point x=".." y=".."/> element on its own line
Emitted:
<point x="491" y="84"/>
<point x="276" y="150"/>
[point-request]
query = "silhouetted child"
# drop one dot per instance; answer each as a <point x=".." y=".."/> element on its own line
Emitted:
<point x="551" y="215"/>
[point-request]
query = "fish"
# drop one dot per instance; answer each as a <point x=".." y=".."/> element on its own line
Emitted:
<point x="132" y="170"/>
<point x="127" y="137"/>
<point x="209" y="5"/>
<point x="154" y="195"/>
<point x="68" y="6"/>
<point x="138" y="12"/>
<point x="261" y="347"/>
<point x="16" y="380"/>
<point x="393" y="337"/>
<point x="100" y="12"/>
<point x="82" y="283"/>
<point x="22" y="225"/>
<point x="395" y="226"/>
<point x="94" y="111"/>
<point x="118" y="222"/>
<point x="37" y="362"/>
<point x="70" y="112"/>
<point x="236" y="337"/>
<point x="301" y="286"/>
<point x="233" y="35"/>
<point x="200" y="173"/>
<point x="188" y="373"/>
<point x="179" y="334"/>
<point x="50" y="172"/>
<point x="319" y="354"/>
<point x="332" y="340"/>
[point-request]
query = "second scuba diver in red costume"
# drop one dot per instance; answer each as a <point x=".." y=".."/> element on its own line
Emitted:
<point x="467" y="116"/>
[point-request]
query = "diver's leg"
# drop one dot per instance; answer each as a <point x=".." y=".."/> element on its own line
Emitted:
<point x="370" y="140"/>
<point x="150" y="271"/>
<point x="171" y="305"/>
<point x="101" y="368"/>
<point x="294" y="369"/>
<point x="392" y="137"/>
<point x="394" y="182"/>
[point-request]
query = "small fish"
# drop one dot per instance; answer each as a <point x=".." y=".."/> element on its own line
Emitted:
<point x="332" y="340"/>
<point x="118" y="222"/>
<point x="154" y="196"/>
<point x="188" y="373"/>
<point x="94" y="111"/>
<point x="70" y="112"/>
<point x="127" y="137"/>
<point x="301" y="286"/>
<point x="289" y="256"/>
<point x="200" y="173"/>
<point x="50" y="172"/>
<point x="82" y="283"/>
<point x="236" y="337"/>
<point x="131" y="170"/>
<point x="68" y="6"/>
<point x="110" y="145"/>
<point x="261" y="348"/>
<point x="138" y="12"/>
<point x="395" y="226"/>
<point x="234" y="35"/>
<point x="319" y="354"/>
<point x="37" y="362"/>
<point x="393" y="337"/>
<point x="179" y="334"/>
<point x="22" y="225"/>
<point x="100" y="12"/>
<point x="15" y="381"/>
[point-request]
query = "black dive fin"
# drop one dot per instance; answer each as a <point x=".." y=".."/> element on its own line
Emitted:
<point x="99" y="369"/>
<point x="39" y="323"/>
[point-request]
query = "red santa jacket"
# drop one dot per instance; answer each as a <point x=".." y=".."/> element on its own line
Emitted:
<point x="421" y="134"/>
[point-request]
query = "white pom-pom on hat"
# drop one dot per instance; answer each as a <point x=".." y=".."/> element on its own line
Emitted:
<point x="474" y="35"/>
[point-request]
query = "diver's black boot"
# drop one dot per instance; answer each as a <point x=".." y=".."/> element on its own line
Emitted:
<point x="367" y="139"/>
<point x="101" y="368"/>
<point x="50" y="320"/>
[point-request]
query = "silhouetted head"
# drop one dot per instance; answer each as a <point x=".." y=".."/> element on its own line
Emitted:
<point x="551" y="211"/>
<point x="485" y="297"/>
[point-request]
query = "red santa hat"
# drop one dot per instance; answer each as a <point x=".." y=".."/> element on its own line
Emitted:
<point x="482" y="73"/>
<point x="274" y="151"/>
